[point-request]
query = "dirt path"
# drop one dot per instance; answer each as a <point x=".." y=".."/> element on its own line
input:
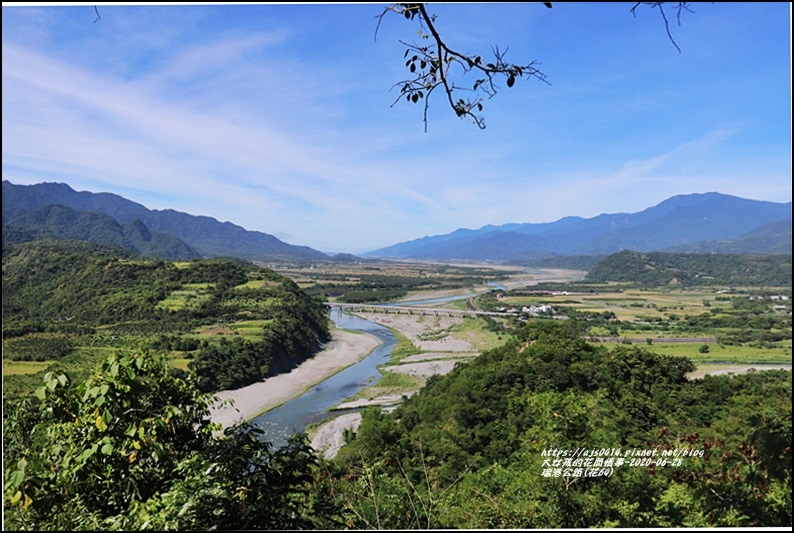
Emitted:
<point x="719" y="369"/>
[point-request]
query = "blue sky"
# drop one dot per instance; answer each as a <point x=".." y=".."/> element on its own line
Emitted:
<point x="279" y="118"/>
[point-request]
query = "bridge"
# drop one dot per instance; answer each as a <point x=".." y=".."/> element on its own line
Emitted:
<point x="430" y="311"/>
<point x="405" y="310"/>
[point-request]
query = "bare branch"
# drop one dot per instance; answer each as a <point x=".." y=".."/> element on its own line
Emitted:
<point x="678" y="6"/>
<point x="435" y="64"/>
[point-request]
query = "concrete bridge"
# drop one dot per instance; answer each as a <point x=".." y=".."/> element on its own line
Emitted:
<point x="405" y="310"/>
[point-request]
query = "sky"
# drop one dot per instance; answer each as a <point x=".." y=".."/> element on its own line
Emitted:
<point x="285" y="118"/>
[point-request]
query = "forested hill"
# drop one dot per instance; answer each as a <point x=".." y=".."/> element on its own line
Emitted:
<point x="63" y="223"/>
<point x="551" y="432"/>
<point x="210" y="237"/>
<point x="548" y="431"/>
<point x="92" y="296"/>
<point x="654" y="269"/>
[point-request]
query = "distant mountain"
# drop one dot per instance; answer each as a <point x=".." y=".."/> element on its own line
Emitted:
<point x="60" y="222"/>
<point x="700" y="222"/>
<point x="774" y="238"/>
<point x="207" y="236"/>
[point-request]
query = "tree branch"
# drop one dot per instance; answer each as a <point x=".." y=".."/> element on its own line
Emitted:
<point x="432" y="67"/>
<point x="679" y="7"/>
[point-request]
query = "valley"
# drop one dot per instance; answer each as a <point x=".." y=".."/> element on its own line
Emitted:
<point x="434" y="341"/>
<point x="482" y="360"/>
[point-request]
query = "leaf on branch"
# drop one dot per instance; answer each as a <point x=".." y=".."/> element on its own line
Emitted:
<point x="99" y="421"/>
<point x="441" y="60"/>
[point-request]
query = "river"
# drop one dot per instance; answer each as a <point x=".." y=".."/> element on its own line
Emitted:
<point x="313" y="406"/>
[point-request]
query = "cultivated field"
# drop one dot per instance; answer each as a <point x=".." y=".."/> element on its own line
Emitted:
<point x="435" y="344"/>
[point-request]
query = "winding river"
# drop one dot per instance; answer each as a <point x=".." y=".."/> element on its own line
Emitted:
<point x="313" y="406"/>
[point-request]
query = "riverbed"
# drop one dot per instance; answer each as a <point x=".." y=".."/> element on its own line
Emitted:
<point x="345" y="349"/>
<point x="314" y="405"/>
<point x="321" y="404"/>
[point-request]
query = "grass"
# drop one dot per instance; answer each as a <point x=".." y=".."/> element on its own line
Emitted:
<point x="20" y="368"/>
<point x="180" y="362"/>
<point x="638" y="306"/>
<point x="397" y="380"/>
<point x="403" y="349"/>
<point x="249" y="329"/>
<point x="475" y="332"/>
<point x="190" y="296"/>
<point x="257" y="284"/>
<point x="78" y="365"/>
<point x="389" y="383"/>
<point x="719" y="353"/>
<point x="630" y="304"/>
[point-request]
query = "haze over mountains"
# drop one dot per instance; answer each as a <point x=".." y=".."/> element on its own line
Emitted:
<point x="703" y="223"/>
<point x="206" y="235"/>
<point x="706" y="223"/>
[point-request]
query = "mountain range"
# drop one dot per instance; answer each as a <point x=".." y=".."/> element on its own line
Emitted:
<point x="28" y="213"/>
<point x="696" y="223"/>
<point x="705" y="223"/>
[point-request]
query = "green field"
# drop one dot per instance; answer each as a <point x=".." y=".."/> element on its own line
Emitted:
<point x="20" y="368"/>
<point x="738" y="325"/>
<point x="718" y="353"/>
<point x="191" y="296"/>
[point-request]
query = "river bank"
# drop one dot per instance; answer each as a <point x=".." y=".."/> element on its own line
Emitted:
<point x="345" y="349"/>
<point x="439" y="354"/>
<point x="442" y="345"/>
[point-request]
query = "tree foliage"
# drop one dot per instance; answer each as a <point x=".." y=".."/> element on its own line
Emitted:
<point x="129" y="446"/>
<point x="132" y="448"/>
<point x="60" y="296"/>
<point x="655" y="269"/>
<point x="471" y="449"/>
<point x="434" y="64"/>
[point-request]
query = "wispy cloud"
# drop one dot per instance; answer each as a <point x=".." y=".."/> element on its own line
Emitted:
<point x="278" y="118"/>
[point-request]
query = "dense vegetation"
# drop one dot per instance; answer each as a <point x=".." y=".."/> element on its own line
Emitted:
<point x="654" y="269"/>
<point x="62" y="223"/>
<point x="494" y="444"/>
<point x="125" y="443"/>
<point x="473" y="449"/>
<point x="131" y="448"/>
<point x="62" y="298"/>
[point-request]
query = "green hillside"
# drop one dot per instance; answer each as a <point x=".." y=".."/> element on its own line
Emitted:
<point x="549" y="431"/>
<point x="655" y="269"/>
<point x="233" y="321"/>
<point x="63" y="223"/>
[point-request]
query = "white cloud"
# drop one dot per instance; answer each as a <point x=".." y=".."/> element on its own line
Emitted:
<point x="284" y="126"/>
